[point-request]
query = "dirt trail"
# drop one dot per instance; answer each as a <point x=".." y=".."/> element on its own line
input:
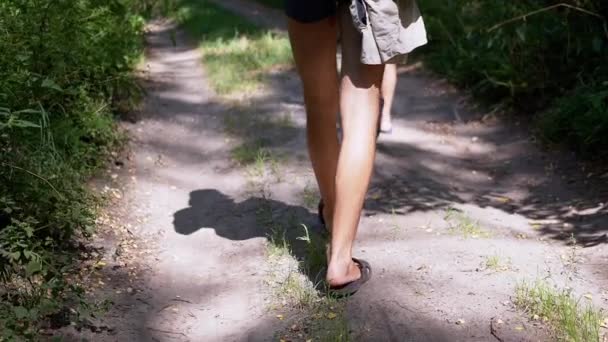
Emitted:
<point x="206" y="278"/>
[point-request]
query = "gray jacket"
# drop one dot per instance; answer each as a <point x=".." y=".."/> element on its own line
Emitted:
<point x="390" y="29"/>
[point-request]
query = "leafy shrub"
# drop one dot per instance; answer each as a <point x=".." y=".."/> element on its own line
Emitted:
<point x="527" y="53"/>
<point x="580" y="119"/>
<point x="65" y="69"/>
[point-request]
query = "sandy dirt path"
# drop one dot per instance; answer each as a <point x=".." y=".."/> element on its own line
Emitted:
<point x="453" y="188"/>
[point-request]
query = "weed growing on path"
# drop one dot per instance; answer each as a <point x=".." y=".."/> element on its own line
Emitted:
<point x="316" y="253"/>
<point x="394" y="226"/>
<point x="258" y="159"/>
<point x="297" y="285"/>
<point x="258" y="130"/>
<point x="497" y="263"/>
<point x="463" y="225"/>
<point x="570" y="319"/>
<point x="310" y="196"/>
<point x="571" y="259"/>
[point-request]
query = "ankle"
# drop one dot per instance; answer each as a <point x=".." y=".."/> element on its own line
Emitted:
<point x="340" y="258"/>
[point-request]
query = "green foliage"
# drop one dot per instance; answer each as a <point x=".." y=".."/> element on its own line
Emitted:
<point x="65" y="68"/>
<point x="571" y="319"/>
<point x="527" y="53"/>
<point x="579" y="119"/>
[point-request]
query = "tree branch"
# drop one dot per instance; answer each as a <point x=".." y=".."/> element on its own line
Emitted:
<point x="545" y="9"/>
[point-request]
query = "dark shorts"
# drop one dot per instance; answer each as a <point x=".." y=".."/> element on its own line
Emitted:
<point x="308" y="11"/>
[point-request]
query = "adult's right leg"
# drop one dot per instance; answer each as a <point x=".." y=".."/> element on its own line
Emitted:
<point x="360" y="111"/>
<point x="314" y="49"/>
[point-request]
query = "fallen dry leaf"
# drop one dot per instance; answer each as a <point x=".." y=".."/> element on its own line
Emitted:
<point x="502" y="199"/>
<point x="331" y="315"/>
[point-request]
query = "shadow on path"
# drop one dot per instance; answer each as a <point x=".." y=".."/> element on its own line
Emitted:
<point x="256" y="217"/>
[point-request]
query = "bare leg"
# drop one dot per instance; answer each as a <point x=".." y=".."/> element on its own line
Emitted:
<point x="389" y="83"/>
<point x="359" y="108"/>
<point x="314" y="48"/>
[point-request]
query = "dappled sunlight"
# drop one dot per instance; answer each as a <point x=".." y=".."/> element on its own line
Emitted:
<point x="451" y="145"/>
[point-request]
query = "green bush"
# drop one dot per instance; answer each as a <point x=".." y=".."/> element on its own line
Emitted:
<point x="528" y="54"/>
<point x="580" y="119"/>
<point x="65" y="69"/>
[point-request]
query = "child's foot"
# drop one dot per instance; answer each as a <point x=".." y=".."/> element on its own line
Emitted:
<point x="386" y="125"/>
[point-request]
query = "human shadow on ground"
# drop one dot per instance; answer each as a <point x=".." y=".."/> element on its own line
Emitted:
<point x="282" y="224"/>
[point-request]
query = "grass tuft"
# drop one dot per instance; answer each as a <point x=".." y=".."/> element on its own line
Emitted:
<point x="259" y="160"/>
<point x="297" y="287"/>
<point x="310" y="196"/>
<point x="463" y="225"/>
<point x="496" y="263"/>
<point x="570" y="319"/>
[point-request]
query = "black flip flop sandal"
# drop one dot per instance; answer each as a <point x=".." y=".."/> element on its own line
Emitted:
<point x="351" y="288"/>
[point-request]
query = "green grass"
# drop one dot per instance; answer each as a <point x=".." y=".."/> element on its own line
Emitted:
<point x="463" y="225"/>
<point x="296" y="297"/>
<point x="394" y="226"/>
<point x="322" y="317"/>
<point x="258" y="159"/>
<point x="316" y="256"/>
<point x="579" y="120"/>
<point x="310" y="196"/>
<point x="570" y="319"/>
<point x="248" y="154"/>
<point x="497" y="263"/>
<point x="236" y="53"/>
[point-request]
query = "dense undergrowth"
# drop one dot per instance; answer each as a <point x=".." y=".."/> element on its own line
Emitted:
<point x="544" y="58"/>
<point x="65" y="71"/>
